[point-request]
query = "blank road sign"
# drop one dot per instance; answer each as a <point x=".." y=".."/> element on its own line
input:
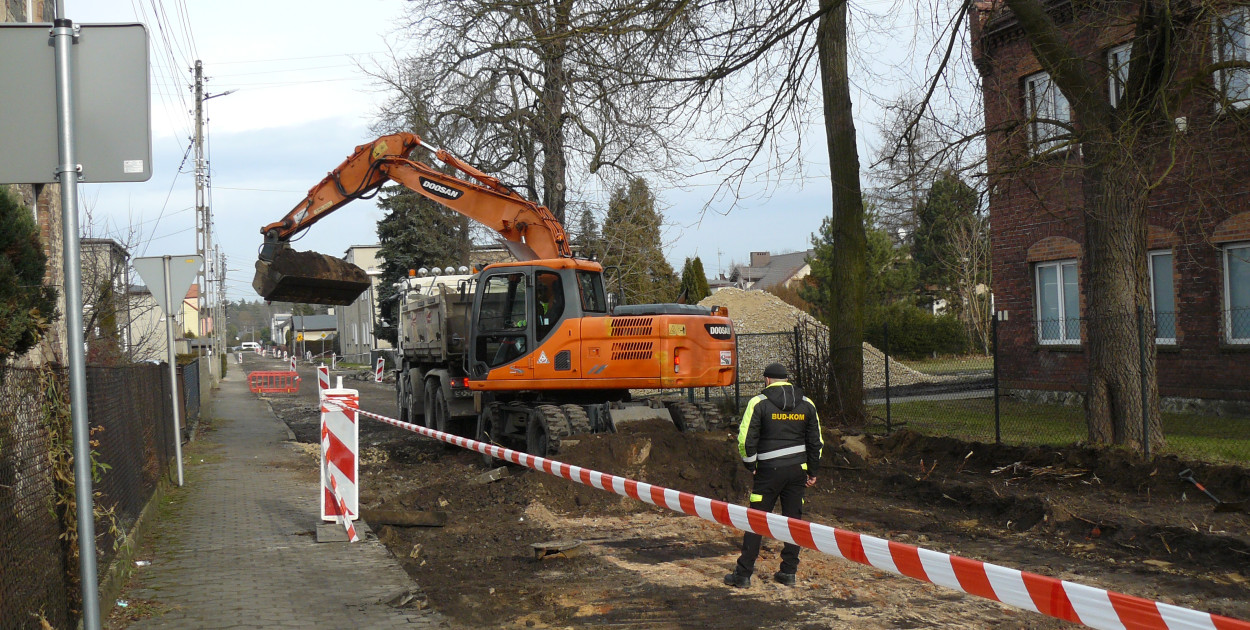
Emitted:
<point x="112" y="112"/>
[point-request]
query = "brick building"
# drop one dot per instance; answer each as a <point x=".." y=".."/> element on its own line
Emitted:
<point x="1199" y="209"/>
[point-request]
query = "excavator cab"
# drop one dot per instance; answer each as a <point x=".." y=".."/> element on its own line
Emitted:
<point x="519" y="306"/>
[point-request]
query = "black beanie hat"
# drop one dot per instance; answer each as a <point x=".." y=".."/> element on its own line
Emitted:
<point x="775" y="370"/>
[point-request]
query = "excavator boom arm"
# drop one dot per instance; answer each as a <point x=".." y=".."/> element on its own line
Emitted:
<point x="485" y="200"/>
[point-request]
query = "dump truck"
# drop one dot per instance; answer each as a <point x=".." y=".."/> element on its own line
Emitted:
<point x="520" y="353"/>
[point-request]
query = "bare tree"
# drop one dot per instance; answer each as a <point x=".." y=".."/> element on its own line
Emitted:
<point x="969" y="265"/>
<point x="757" y="64"/>
<point x="120" y="324"/>
<point x="539" y="89"/>
<point x="1107" y="156"/>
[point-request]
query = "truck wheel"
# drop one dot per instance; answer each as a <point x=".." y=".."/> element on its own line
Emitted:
<point x="712" y="416"/>
<point x="537" y="440"/>
<point x="403" y="398"/>
<point x="687" y="417"/>
<point x="546" y="426"/>
<point x="579" y="422"/>
<point x="427" y="416"/>
<point x="416" y="405"/>
<point x="440" y="410"/>
<point x="486" y="433"/>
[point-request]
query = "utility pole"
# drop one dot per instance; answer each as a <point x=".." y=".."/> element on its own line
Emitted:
<point x="201" y="208"/>
<point x="221" y="302"/>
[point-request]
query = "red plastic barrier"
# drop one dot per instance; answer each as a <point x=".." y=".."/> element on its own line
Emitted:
<point x="273" y="382"/>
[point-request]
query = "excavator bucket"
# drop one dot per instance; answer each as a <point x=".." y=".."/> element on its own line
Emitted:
<point x="309" y="278"/>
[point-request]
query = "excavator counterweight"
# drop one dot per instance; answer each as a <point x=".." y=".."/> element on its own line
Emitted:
<point x="308" y="278"/>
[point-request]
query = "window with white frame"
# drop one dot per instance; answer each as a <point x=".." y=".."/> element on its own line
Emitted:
<point x="1232" y="44"/>
<point x="1046" y="108"/>
<point x="1237" y="292"/>
<point x="1163" y="297"/>
<point x="1117" y="71"/>
<point x="1058" y="303"/>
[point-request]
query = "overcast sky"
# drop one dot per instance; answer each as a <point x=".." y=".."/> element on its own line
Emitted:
<point x="302" y="105"/>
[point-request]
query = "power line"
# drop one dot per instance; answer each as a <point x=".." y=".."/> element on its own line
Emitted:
<point x="225" y="63"/>
<point x="167" y="195"/>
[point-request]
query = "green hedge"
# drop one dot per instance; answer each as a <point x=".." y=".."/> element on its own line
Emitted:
<point x="915" y="332"/>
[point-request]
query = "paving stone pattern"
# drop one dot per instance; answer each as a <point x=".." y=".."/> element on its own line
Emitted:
<point x="241" y="550"/>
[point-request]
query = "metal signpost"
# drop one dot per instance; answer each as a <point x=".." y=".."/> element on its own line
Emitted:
<point x="174" y="275"/>
<point x="88" y="96"/>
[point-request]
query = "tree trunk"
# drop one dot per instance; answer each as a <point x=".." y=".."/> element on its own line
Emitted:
<point x="846" y="332"/>
<point x="1117" y="285"/>
<point x="551" y="113"/>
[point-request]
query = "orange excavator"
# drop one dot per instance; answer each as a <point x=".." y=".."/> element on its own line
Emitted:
<point x="521" y="352"/>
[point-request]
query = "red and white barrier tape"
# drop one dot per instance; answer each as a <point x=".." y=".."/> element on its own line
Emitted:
<point x="1093" y="607"/>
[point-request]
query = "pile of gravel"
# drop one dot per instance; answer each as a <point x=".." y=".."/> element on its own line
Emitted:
<point x="755" y="312"/>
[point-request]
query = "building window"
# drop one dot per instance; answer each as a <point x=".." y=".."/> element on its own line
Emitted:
<point x="1237" y="292"/>
<point x="1047" y="109"/>
<point x="1163" y="297"/>
<point x="1058" y="303"/>
<point x="1232" y="45"/>
<point x="1117" y="72"/>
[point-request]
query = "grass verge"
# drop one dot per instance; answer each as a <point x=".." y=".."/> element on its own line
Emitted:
<point x="1212" y="438"/>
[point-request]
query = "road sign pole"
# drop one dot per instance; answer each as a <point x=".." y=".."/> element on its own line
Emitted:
<point x="173" y="369"/>
<point x="67" y="174"/>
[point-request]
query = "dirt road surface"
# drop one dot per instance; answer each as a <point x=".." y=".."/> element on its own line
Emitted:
<point x="1101" y="518"/>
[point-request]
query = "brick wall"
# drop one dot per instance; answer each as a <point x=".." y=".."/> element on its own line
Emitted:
<point x="1202" y="201"/>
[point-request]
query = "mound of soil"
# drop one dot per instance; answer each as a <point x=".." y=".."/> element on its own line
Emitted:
<point x="1118" y="468"/>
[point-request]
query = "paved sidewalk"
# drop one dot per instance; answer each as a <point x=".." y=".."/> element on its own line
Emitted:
<point x="240" y="550"/>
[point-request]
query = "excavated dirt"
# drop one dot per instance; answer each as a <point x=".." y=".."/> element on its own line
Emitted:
<point x="1103" y="518"/>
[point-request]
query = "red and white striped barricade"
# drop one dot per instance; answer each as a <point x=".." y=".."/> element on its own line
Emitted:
<point x="340" y="465"/>
<point x="334" y="361"/>
<point x="377" y="371"/>
<point x="292" y="363"/>
<point x="323" y="381"/>
<point x="1094" y="607"/>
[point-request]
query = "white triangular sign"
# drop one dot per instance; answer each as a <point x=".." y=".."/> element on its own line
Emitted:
<point x="182" y="270"/>
<point x="542" y="357"/>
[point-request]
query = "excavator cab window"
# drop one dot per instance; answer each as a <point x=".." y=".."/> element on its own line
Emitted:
<point x="502" y="326"/>
<point x="549" y="305"/>
<point x="590" y="286"/>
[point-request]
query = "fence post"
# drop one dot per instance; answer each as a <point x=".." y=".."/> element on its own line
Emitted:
<point x="886" y="338"/>
<point x="1145" y="406"/>
<point x="998" y="427"/>
<point x="798" y="358"/>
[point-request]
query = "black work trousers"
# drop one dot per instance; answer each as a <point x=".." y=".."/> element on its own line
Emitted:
<point x="786" y="483"/>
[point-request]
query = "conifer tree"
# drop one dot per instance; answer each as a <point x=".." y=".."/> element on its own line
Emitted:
<point x="415" y="233"/>
<point x="632" y="248"/>
<point x="27" y="306"/>
<point x="694" y="281"/>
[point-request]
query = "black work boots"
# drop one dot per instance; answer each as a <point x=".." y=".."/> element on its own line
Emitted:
<point x="785" y="579"/>
<point x="740" y="581"/>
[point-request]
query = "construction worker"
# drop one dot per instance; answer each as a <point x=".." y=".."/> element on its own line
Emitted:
<point x="780" y="443"/>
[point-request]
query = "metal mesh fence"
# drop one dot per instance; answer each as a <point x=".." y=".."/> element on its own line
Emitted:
<point x="190" y="377"/>
<point x="1032" y="391"/>
<point x="982" y="398"/>
<point x="130" y="416"/>
<point x="32" y="568"/>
